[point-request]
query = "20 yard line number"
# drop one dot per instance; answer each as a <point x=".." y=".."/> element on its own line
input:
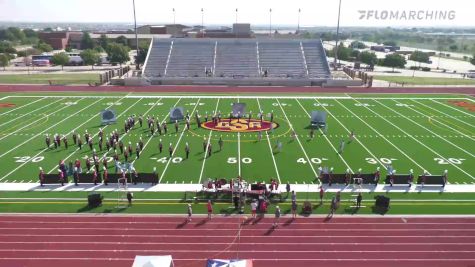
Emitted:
<point x="456" y="161"/>
<point x="25" y="159"/>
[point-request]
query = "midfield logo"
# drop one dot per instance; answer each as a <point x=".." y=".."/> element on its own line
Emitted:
<point x="241" y="125"/>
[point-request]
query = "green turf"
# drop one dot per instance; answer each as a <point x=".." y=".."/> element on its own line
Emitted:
<point x="411" y="133"/>
<point x="425" y="80"/>
<point x="175" y="203"/>
<point x="64" y="78"/>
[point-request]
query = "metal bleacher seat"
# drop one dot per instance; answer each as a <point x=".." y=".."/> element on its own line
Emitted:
<point x="282" y="59"/>
<point x="316" y="60"/>
<point x="157" y="58"/>
<point x="236" y="59"/>
<point x="190" y="58"/>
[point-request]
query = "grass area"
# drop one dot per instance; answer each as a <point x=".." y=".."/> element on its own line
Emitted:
<point x="66" y="78"/>
<point x="425" y="80"/>
<point x="155" y="203"/>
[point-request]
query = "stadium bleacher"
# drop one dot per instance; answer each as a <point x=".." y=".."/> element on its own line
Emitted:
<point x="240" y="58"/>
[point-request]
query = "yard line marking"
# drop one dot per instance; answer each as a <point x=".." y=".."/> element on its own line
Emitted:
<point x="326" y="138"/>
<point x="356" y="137"/>
<point x="177" y="143"/>
<point x="446" y="115"/>
<point x="23" y="164"/>
<point x="209" y="140"/>
<point x="441" y="103"/>
<point x="270" y="146"/>
<point x="22" y="105"/>
<point x="151" y="137"/>
<point x="5" y="97"/>
<point x="446" y="140"/>
<point x="77" y="149"/>
<point x="35" y="121"/>
<point x="298" y="140"/>
<point x="16" y="118"/>
<point x="382" y="136"/>
<point x="42" y="132"/>
<point x="424" y="145"/>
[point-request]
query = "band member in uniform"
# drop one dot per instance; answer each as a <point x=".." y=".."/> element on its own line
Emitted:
<point x="80" y="143"/>
<point x="141" y="143"/>
<point x="170" y="150"/>
<point x="188" y="124"/>
<point x="100" y="143"/>
<point x="77" y="164"/>
<point x="106" y="176"/>
<point x="88" y="163"/>
<point x="444" y="178"/>
<point x="312" y="133"/>
<point x="176" y="126"/>
<point x="104" y="162"/>
<point x="47" y="141"/>
<point x="220" y="143"/>
<point x="137" y="150"/>
<point x="152" y="130"/>
<point x="377" y="175"/>
<point x="347" y="177"/>
<point x="75" y="137"/>
<point x="76" y="176"/>
<point x="58" y="140"/>
<point x="165" y="127"/>
<point x="351" y="137"/>
<point x="423" y="178"/>
<point x="272" y="116"/>
<point x="206" y="116"/>
<point x="210" y="150"/>
<point x="126" y="156"/>
<point x="65" y="141"/>
<point x="410" y="178"/>
<point x="41" y="176"/>
<point x="94" y="176"/>
<point x="121" y="146"/>
<point x="187" y="150"/>
<point x="330" y="177"/>
<point x="391" y="177"/>
<point x="129" y="148"/>
<point x="108" y="145"/>
<point x="140" y="121"/>
<point x="61" y="177"/>
<point x="159" y="128"/>
<point x="86" y="136"/>
<point x="90" y="143"/>
<point x="160" y="146"/>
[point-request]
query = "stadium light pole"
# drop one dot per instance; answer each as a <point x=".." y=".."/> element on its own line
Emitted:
<point x="173" y="16"/>
<point x="202" y="22"/>
<point x="235" y="25"/>
<point x="136" y="38"/>
<point x="337" y="36"/>
<point x="270" y="22"/>
<point x="298" y="22"/>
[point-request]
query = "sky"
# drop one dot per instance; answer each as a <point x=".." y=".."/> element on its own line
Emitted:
<point x="256" y="12"/>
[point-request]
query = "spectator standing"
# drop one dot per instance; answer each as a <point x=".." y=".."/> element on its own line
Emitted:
<point x="253" y="208"/>
<point x="322" y="193"/>
<point x="190" y="212"/>
<point x="294" y="209"/>
<point x="130" y="196"/>
<point x="277" y="216"/>
<point x="359" y="198"/>
<point x="294" y="196"/>
<point x="210" y="209"/>
<point x="287" y="188"/>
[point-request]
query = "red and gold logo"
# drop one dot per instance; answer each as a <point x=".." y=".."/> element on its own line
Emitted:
<point x="463" y="104"/>
<point x="241" y="125"/>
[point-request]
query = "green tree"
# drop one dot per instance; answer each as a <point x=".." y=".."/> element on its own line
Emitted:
<point x="394" y="61"/>
<point x="90" y="57"/>
<point x="87" y="42"/>
<point x="29" y="33"/>
<point x="103" y="41"/>
<point x="368" y="58"/>
<point x="358" y="45"/>
<point x="453" y="47"/>
<point x="118" y="53"/>
<point x="142" y="55"/>
<point x="43" y="47"/>
<point x="390" y="43"/>
<point x="472" y="60"/>
<point x="4" y="60"/>
<point x="420" y="57"/>
<point x="60" y="59"/>
<point x="122" y="40"/>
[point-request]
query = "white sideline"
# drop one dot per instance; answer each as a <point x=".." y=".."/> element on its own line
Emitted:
<point x="382" y="136"/>
<point x="328" y="140"/>
<point x="298" y="140"/>
<point x="270" y="146"/>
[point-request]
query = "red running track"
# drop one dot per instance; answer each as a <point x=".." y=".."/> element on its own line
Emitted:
<point x="108" y="240"/>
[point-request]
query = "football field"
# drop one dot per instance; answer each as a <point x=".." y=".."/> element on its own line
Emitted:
<point x="418" y="132"/>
